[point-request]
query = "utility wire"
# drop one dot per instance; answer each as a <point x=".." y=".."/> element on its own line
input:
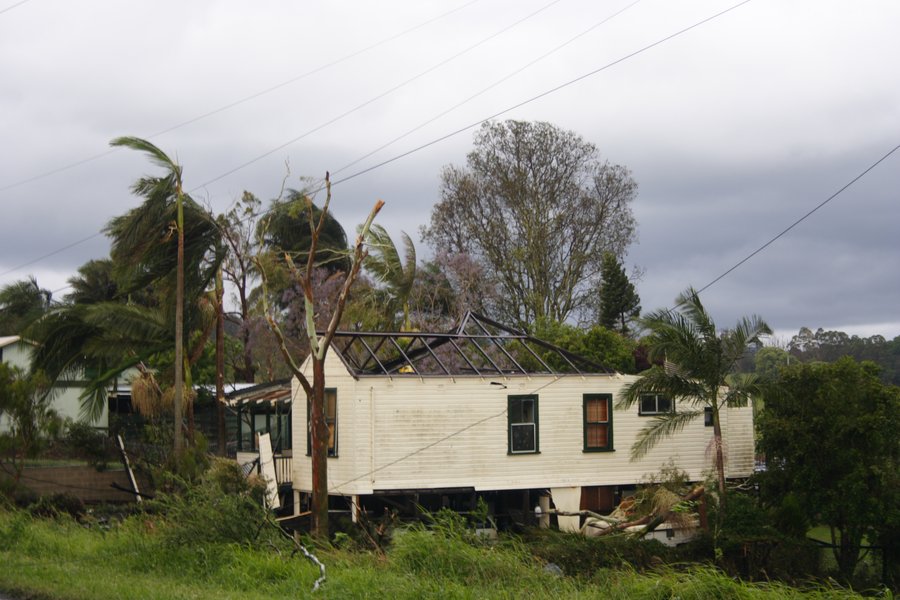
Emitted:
<point x="239" y="101"/>
<point x="541" y="95"/>
<point x="488" y="88"/>
<point x="453" y="133"/>
<point x="49" y="254"/>
<point x="12" y="6"/>
<point x="387" y="92"/>
<point x="520" y="104"/>
<point x="801" y="219"/>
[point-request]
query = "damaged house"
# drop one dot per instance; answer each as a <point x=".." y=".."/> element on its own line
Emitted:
<point x="441" y="419"/>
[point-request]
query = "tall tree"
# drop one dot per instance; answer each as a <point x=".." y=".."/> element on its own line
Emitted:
<point x="238" y="228"/>
<point x="538" y="208"/>
<point x="139" y="242"/>
<point x="698" y="372"/>
<point x="619" y="302"/>
<point x="319" y="342"/>
<point x="21" y="303"/>
<point x="830" y="439"/>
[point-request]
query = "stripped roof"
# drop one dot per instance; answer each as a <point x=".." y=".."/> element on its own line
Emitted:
<point x="477" y="346"/>
<point x="273" y="391"/>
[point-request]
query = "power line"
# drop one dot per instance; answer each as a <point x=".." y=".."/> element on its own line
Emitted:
<point x="239" y="101"/>
<point x="12" y="6"/>
<point x="488" y="88"/>
<point x="457" y="131"/>
<point x="801" y="219"/>
<point x="383" y="94"/>
<point x="541" y="95"/>
<point x="49" y="254"/>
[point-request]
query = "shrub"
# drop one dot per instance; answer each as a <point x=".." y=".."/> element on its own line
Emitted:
<point x="582" y="556"/>
<point x="745" y="517"/>
<point x="88" y="443"/>
<point x="223" y="507"/>
<point x="55" y="505"/>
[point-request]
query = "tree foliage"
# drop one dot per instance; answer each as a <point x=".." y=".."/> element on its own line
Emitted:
<point x="285" y="228"/>
<point x="535" y="206"/>
<point x="122" y="312"/>
<point x="619" y="301"/>
<point x="238" y="227"/>
<point x="95" y="282"/>
<point x="828" y="346"/>
<point x="597" y="344"/>
<point x="830" y="440"/>
<point x="396" y="274"/>
<point x="26" y="410"/>
<point x="698" y="372"/>
<point x="769" y="361"/>
<point x="21" y="303"/>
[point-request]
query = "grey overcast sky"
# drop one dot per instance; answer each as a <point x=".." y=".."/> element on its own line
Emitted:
<point x="733" y="129"/>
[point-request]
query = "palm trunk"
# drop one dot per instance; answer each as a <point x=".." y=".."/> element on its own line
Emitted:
<point x="720" y="456"/>
<point x="178" y="400"/>
<point x="220" y="363"/>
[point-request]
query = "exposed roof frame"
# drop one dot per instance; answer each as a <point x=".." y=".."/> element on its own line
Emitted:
<point x="413" y="353"/>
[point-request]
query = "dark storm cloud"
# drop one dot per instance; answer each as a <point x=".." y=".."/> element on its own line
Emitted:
<point x="733" y="131"/>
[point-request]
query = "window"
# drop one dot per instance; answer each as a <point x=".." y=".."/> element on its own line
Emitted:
<point x="707" y="416"/>
<point x="522" y="414"/>
<point x="254" y="419"/>
<point x="330" y="420"/>
<point x="598" y="432"/>
<point x="654" y="404"/>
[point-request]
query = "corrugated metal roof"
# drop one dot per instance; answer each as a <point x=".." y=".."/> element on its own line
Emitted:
<point x="275" y="391"/>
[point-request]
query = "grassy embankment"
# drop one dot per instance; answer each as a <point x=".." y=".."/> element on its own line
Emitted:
<point x="61" y="559"/>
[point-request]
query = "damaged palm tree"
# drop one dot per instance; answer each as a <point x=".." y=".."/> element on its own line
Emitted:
<point x="318" y="344"/>
<point x="699" y="373"/>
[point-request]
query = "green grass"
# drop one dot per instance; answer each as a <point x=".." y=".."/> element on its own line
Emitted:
<point x="64" y="560"/>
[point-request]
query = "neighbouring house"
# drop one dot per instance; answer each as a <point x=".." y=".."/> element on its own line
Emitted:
<point x="441" y="419"/>
<point x="259" y="409"/>
<point x="67" y="393"/>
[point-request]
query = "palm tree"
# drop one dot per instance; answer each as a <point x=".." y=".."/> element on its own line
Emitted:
<point x="698" y="370"/>
<point x="21" y="303"/>
<point x="94" y="283"/>
<point x="396" y="274"/>
<point x="98" y="342"/>
<point x="159" y="191"/>
<point x="142" y="246"/>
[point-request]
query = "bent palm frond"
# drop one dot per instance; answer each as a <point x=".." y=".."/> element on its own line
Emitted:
<point x="661" y="427"/>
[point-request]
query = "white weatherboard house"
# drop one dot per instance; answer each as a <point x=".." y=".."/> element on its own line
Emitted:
<point x="16" y="351"/>
<point x="440" y="419"/>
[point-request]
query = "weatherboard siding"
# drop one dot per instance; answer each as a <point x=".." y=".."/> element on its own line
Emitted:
<point x="443" y="432"/>
<point x="67" y="395"/>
